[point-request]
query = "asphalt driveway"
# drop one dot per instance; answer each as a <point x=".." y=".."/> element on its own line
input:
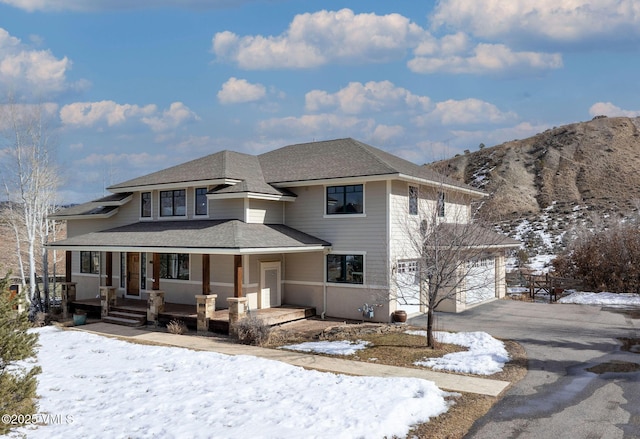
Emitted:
<point x="581" y="382"/>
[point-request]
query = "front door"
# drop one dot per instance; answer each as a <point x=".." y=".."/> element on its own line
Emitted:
<point x="270" y="284"/>
<point x="133" y="274"/>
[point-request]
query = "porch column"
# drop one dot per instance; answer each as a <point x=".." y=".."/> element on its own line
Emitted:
<point x="206" y="275"/>
<point x="156" y="271"/>
<point x="237" y="311"/>
<point x="107" y="299"/>
<point x="67" y="266"/>
<point x="206" y="306"/>
<point x="68" y="296"/>
<point x="155" y="306"/>
<point x="109" y="269"/>
<point x="237" y="276"/>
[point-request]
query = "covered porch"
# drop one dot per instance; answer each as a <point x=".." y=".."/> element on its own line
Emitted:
<point x="218" y="322"/>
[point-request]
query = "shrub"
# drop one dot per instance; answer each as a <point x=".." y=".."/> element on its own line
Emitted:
<point x="177" y="327"/>
<point x="608" y="259"/>
<point x="17" y="383"/>
<point x="251" y="330"/>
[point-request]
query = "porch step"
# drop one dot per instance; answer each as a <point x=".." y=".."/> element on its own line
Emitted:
<point x="125" y="318"/>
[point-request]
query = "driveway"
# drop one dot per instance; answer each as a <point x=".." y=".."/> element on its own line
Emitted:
<point x="560" y="397"/>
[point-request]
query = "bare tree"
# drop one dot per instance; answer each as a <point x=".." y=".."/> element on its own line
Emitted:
<point x="31" y="180"/>
<point x="444" y="256"/>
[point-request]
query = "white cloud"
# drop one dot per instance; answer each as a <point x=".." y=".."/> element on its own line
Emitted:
<point x="467" y="111"/>
<point x="88" y="114"/>
<point x="318" y="126"/>
<point x="384" y="133"/>
<point x="37" y="72"/>
<point x="236" y="91"/>
<point x="357" y="98"/>
<point x="483" y="58"/>
<point x="561" y="21"/>
<point x="176" y="115"/>
<point x="315" y="39"/>
<point x="608" y="109"/>
<point x="46" y="112"/>
<point x="109" y="5"/>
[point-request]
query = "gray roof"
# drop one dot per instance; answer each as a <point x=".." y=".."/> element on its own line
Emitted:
<point x="474" y="236"/>
<point x="214" y="235"/>
<point x="341" y="158"/>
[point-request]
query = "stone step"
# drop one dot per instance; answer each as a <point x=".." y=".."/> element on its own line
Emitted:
<point x="129" y="315"/>
<point x="127" y="310"/>
<point x="122" y="321"/>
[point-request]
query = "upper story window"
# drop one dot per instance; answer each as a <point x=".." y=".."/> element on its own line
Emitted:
<point x="201" y="201"/>
<point x="413" y="200"/>
<point x="345" y="199"/>
<point x="440" y="206"/>
<point x="145" y="204"/>
<point x="90" y="262"/>
<point x="173" y="203"/>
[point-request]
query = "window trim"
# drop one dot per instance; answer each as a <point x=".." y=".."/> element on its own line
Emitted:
<point x="173" y="203"/>
<point x="413" y="195"/>
<point x="344" y="214"/>
<point x="195" y="201"/>
<point x="161" y="255"/>
<point x="142" y="215"/>
<point x="345" y="255"/>
<point x="94" y="268"/>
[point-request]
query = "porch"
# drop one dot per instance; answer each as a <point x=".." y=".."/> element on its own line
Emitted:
<point x="218" y="323"/>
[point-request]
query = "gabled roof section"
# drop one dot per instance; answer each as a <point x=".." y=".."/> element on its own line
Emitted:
<point x="104" y="207"/>
<point x="342" y="158"/>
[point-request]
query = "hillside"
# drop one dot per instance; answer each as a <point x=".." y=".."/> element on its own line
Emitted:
<point x="574" y="174"/>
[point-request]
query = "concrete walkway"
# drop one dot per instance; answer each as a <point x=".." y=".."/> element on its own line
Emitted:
<point x="445" y="381"/>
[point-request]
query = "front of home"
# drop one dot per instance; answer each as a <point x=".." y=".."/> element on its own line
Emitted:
<point x="322" y="225"/>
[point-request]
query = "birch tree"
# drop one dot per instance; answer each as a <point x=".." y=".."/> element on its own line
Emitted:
<point x="443" y="256"/>
<point x="31" y="180"/>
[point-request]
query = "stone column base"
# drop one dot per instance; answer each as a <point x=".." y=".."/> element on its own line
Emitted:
<point x="155" y="305"/>
<point x="107" y="299"/>
<point x="205" y="307"/>
<point x="237" y="311"/>
<point x="68" y="297"/>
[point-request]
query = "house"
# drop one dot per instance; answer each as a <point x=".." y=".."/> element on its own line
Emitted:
<point x="315" y="224"/>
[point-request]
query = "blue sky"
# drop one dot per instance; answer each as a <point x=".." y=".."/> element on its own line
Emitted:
<point x="133" y="87"/>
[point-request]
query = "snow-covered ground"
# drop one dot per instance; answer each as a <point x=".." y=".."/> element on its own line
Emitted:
<point x="611" y="299"/>
<point x="485" y="356"/>
<point x="95" y="386"/>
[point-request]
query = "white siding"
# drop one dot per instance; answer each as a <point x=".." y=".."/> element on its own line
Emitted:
<point x="265" y="212"/>
<point x="227" y="209"/>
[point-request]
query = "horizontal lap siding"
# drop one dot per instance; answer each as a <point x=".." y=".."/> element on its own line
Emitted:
<point x="265" y="212"/>
<point x="226" y="209"/>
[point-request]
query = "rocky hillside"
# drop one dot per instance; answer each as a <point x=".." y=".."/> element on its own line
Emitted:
<point x="549" y="183"/>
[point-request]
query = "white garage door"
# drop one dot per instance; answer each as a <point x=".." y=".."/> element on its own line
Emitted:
<point x="481" y="280"/>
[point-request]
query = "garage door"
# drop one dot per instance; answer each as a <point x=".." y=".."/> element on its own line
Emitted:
<point x="481" y="280"/>
<point x="408" y="285"/>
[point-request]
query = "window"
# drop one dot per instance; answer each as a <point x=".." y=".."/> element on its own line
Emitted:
<point x="173" y="203"/>
<point x="174" y="266"/>
<point x="201" y="201"/>
<point x="344" y="199"/>
<point x="440" y="206"/>
<point x="90" y="262"/>
<point x="413" y="200"/>
<point x="143" y="271"/>
<point x="345" y="268"/>
<point x="123" y="268"/>
<point x="145" y="204"/>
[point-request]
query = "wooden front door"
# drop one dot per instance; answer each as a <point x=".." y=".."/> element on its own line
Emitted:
<point x="133" y="274"/>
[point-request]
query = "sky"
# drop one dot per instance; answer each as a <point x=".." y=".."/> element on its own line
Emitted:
<point x="133" y="87"/>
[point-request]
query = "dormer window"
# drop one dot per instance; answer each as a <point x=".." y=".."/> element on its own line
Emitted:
<point x="440" y="206"/>
<point x="201" y="201"/>
<point x="173" y="203"/>
<point x="145" y="204"/>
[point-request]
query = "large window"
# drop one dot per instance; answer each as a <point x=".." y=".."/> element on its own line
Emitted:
<point x="201" y="201"/>
<point x="145" y="204"/>
<point x="344" y="199"/>
<point x="90" y="262"/>
<point x="345" y="268"/>
<point x="413" y="200"/>
<point x="174" y="266"/>
<point x="173" y="203"/>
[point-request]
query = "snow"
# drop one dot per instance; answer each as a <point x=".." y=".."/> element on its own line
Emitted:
<point x="485" y="356"/>
<point x="107" y="387"/>
<point x="612" y="299"/>
<point x="340" y="347"/>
